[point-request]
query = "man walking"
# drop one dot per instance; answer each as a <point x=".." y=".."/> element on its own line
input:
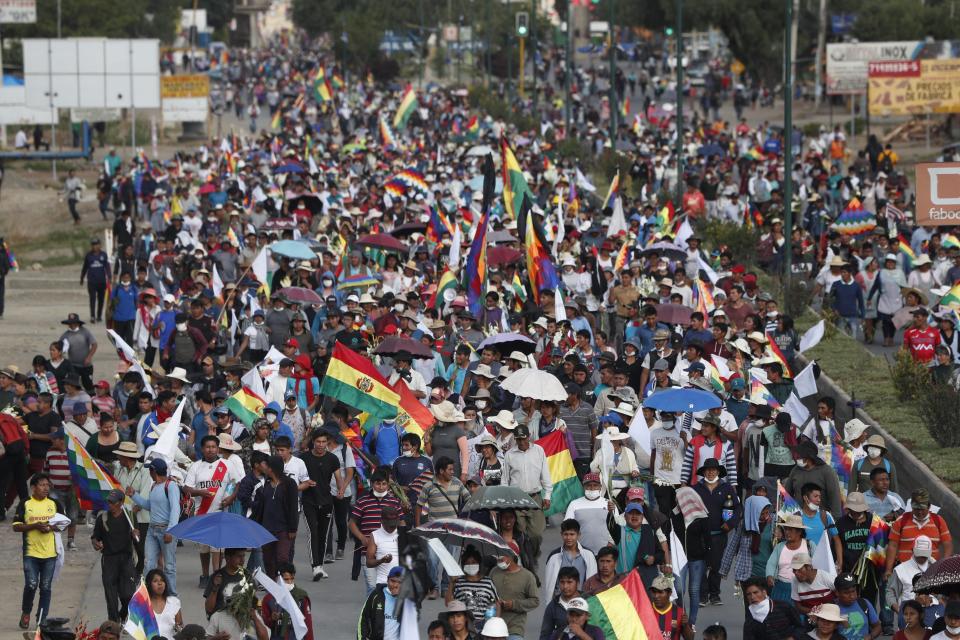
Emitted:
<point x="163" y="502"/>
<point x="39" y="547"/>
<point x="525" y="466"/>
<point x="96" y="271"/>
<point x="113" y="536"/>
<point x="81" y="347"/>
<point x="131" y="473"/>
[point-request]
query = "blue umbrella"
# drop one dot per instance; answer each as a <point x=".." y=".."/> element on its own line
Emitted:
<point x="292" y="249"/>
<point x="290" y="167"/>
<point x="682" y="400"/>
<point x="223" y="531"/>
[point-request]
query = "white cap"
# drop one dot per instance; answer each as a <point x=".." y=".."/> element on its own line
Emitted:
<point x="495" y="628"/>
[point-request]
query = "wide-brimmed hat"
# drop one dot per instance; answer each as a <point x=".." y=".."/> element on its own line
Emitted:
<point x="856" y="501"/>
<point x="456" y="606"/>
<point x="876" y="440"/>
<point x="72" y="318"/>
<point x="853" y="429"/>
<point x="178" y="373"/>
<point x="484" y="371"/>
<point x="445" y="411"/>
<point x="829" y="612"/>
<point x="921" y="296"/>
<point x="711" y="463"/>
<point x="615" y="435"/>
<point x="624" y="408"/>
<point x="837" y="261"/>
<point x="792" y="521"/>
<point x="227" y="442"/>
<point x="756" y="336"/>
<point x="486" y="439"/>
<point x="504" y="419"/>
<point x="127" y="450"/>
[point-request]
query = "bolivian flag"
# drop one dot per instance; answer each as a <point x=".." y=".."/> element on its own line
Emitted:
<point x="412" y="416"/>
<point x="952" y="298"/>
<point x="322" y="91"/>
<point x="354" y="380"/>
<point x="566" y="485"/>
<point x="514" y="184"/>
<point x="774" y="352"/>
<point x="624" y="612"/>
<point x="448" y="280"/>
<point x="407" y="106"/>
<point x="248" y="402"/>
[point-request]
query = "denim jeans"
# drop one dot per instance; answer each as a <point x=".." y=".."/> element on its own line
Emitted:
<point x="692" y="577"/>
<point x="369" y="574"/>
<point x="437" y="574"/>
<point x="255" y="560"/>
<point x="37" y="572"/>
<point x="154" y="547"/>
<point x="851" y="325"/>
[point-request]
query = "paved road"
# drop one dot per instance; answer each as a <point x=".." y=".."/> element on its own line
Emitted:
<point x="337" y="600"/>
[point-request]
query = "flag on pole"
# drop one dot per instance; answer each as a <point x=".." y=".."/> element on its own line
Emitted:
<point x="322" y="91"/>
<point x="248" y="402"/>
<point x="563" y="475"/>
<point x="354" y="380"/>
<point x="386" y="135"/>
<point x="408" y="104"/>
<point x="540" y="268"/>
<point x="90" y="479"/>
<point x="475" y="271"/>
<point x="786" y="505"/>
<point x="624" y="612"/>
<point x="259" y="268"/>
<point x="612" y="191"/>
<point x="285" y="601"/>
<point x="515" y="186"/>
<point x="141" y="621"/>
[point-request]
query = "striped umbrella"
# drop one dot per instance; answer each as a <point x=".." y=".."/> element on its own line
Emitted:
<point x="942" y="577"/>
<point x="460" y="532"/>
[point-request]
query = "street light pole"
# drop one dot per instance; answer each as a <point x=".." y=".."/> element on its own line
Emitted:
<point x="613" y="69"/>
<point x="679" y="123"/>
<point x="533" y="53"/>
<point x="568" y="72"/>
<point x="788" y="142"/>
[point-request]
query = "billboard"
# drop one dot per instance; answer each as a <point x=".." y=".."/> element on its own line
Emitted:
<point x="14" y="110"/>
<point x="938" y="193"/>
<point x="185" y="98"/>
<point x="92" y="73"/>
<point x="914" y="87"/>
<point x="18" y="11"/>
<point x="847" y="62"/>
<point x="95" y="115"/>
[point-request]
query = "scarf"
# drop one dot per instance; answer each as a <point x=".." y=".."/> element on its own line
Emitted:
<point x="691" y="505"/>
<point x="304" y="378"/>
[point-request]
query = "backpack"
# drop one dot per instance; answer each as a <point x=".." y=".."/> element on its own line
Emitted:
<point x="376" y="436"/>
<point x="886" y="162"/>
<point x="187" y="506"/>
<point x="12" y="433"/>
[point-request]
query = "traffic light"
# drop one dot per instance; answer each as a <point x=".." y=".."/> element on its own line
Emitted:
<point x="522" y="24"/>
<point x="669" y="31"/>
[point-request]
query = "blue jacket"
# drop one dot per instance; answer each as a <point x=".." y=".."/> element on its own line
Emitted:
<point x="126" y="303"/>
<point x="282" y="428"/>
<point x="96" y="268"/>
<point x="847" y="299"/>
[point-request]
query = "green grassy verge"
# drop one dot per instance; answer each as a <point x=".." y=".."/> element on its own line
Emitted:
<point x="56" y="249"/>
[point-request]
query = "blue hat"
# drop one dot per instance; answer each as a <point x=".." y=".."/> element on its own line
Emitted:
<point x="696" y="366"/>
<point x="158" y="465"/>
<point x="221" y="411"/>
<point x="59" y="434"/>
<point x="395" y="572"/>
<point x="612" y="418"/>
<point x="258" y="312"/>
<point x="737" y="384"/>
<point x="80" y="408"/>
<point x="633" y="506"/>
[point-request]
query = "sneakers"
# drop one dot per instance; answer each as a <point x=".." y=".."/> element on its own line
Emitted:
<point x="433" y="595"/>
<point x="204" y="581"/>
<point x="328" y="559"/>
<point x="319" y="574"/>
<point x="716" y="601"/>
<point x="704" y="603"/>
<point x="71" y="545"/>
<point x="339" y="554"/>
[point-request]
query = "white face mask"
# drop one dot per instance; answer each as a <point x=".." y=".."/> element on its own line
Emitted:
<point x="74" y="329"/>
<point x="813" y="507"/>
<point x="800" y="462"/>
<point x="289" y="585"/>
<point x="760" y="610"/>
<point x="328" y="283"/>
<point x="471" y="569"/>
<point x="874" y="452"/>
<point x="271" y="418"/>
<point x="592" y="494"/>
<point x="709" y="481"/>
<point x="379" y="494"/>
<point x="503" y="566"/>
<point x="181" y="326"/>
<point x="953" y="630"/>
<point x="408" y="454"/>
<point x="481" y="404"/>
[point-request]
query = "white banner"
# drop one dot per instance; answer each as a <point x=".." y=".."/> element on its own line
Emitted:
<point x="847" y="62"/>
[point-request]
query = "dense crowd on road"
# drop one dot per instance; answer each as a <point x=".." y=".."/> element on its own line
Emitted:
<point x="237" y="273"/>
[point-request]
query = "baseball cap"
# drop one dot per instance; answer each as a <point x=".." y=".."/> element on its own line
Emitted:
<point x="80" y="408"/>
<point x="662" y="583"/>
<point x="115" y="496"/>
<point x="922" y="547"/>
<point x="396" y="572"/>
<point x="633" y="506"/>
<point x="737" y="384"/>
<point x="591" y="477"/>
<point x="579" y="604"/>
<point x="635" y="493"/>
<point x="696" y="366"/>
<point x="572" y="388"/>
<point x="521" y="432"/>
<point x="158" y="465"/>
<point x="661" y="365"/>
<point x="844" y="581"/>
<point x="800" y="560"/>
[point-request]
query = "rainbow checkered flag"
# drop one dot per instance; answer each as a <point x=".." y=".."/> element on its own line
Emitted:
<point x="141" y="621"/>
<point x="90" y="480"/>
<point x="786" y="505"/>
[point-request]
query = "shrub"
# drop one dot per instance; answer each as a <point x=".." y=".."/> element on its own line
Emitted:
<point x="911" y="379"/>
<point x="738" y="240"/>
<point x="796" y="298"/>
<point x="939" y="408"/>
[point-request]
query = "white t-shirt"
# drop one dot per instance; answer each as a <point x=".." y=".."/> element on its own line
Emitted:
<point x="296" y="469"/>
<point x="167" y="618"/>
<point x="387" y="544"/>
<point x="200" y="475"/>
<point x="345" y="455"/>
<point x="821" y="585"/>
<point x="669" y="447"/>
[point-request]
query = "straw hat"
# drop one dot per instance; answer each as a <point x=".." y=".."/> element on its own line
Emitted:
<point x="504" y="419"/>
<point x="829" y="612"/>
<point x="127" y="450"/>
<point x="444" y="411"/>
<point x="792" y="521"/>
<point x="486" y="439"/>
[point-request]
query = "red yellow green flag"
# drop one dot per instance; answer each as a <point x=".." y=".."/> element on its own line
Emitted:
<point x="354" y="380"/>
<point x="514" y="184"/>
<point x="566" y="486"/>
<point x="624" y="612"/>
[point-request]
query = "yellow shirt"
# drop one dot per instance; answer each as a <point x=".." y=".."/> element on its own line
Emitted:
<point x="37" y="544"/>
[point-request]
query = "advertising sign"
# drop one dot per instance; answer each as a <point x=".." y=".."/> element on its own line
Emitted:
<point x="914" y="87"/>
<point x="185" y="98"/>
<point x="847" y="62"/>
<point x="18" y="11"/>
<point x="938" y="193"/>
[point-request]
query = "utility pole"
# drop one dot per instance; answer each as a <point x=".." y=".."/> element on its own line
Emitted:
<point x="821" y="46"/>
<point x="679" y="123"/>
<point x="533" y="53"/>
<point x="520" y="72"/>
<point x="613" y="75"/>
<point x="568" y="69"/>
<point x="423" y="45"/>
<point x="788" y="142"/>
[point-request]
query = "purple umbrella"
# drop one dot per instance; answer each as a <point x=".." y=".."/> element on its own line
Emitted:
<point x="507" y="343"/>
<point x="457" y="531"/>
<point x="393" y="345"/>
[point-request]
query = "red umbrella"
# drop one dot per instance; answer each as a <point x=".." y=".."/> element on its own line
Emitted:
<point x="393" y="345"/>
<point x="500" y="255"/>
<point x="207" y="187"/>
<point x="300" y="295"/>
<point x="380" y="241"/>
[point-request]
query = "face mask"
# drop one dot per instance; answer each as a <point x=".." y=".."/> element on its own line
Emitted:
<point x="408" y="454"/>
<point x="181" y="326"/>
<point x="75" y="329"/>
<point x="398" y="308"/>
<point x="813" y="507"/>
<point x="592" y="494"/>
<point x="714" y="481"/>
<point x="289" y="586"/>
<point x="502" y="566"/>
<point x="481" y="404"/>
<point x="276" y="308"/>
<point x="760" y="610"/>
<point x="271" y="418"/>
<point x="328" y="283"/>
<point x="953" y="630"/>
<point x="800" y="462"/>
<point x="873" y="452"/>
<point x="379" y="494"/>
<point x="471" y="569"/>
<point x="125" y="283"/>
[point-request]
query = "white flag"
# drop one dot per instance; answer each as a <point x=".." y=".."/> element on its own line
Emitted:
<point x="285" y="601"/>
<point x="312" y="166"/>
<point x="583" y="183"/>
<point x="130" y="357"/>
<point x="259" y="267"/>
<point x="618" y="221"/>
<point x="711" y="274"/>
<point x="720" y="364"/>
<point x="640" y="433"/>
<point x="408" y="621"/>
<point x="805" y="382"/>
<point x="253" y="383"/>
<point x="678" y="558"/>
<point x="558" y="238"/>
<point x="217" y="282"/>
<point x="823" y="557"/>
<point x="798" y="413"/>
<point x="812" y="337"/>
<point x="166" y="444"/>
<point x="558" y="309"/>
<point x="685" y="231"/>
<point x="454" y="260"/>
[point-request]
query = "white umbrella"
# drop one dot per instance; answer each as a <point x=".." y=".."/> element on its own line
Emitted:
<point x="536" y="384"/>
<point x="480" y="150"/>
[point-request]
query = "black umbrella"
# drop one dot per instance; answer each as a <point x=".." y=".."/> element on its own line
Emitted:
<point x="941" y="577"/>
<point x="393" y="345"/>
<point x="498" y="498"/>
